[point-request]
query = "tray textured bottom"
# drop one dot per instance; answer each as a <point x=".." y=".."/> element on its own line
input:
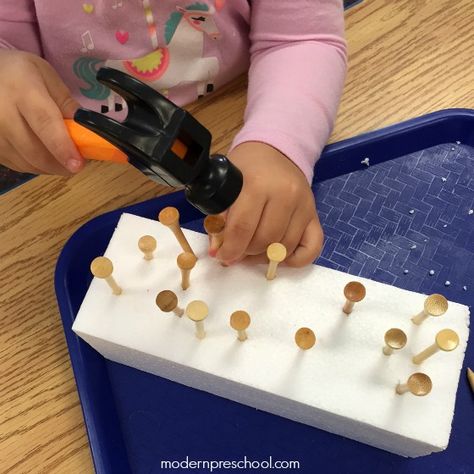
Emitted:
<point x="409" y="214"/>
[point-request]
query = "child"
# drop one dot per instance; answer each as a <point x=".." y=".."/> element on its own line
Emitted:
<point x="295" y="51"/>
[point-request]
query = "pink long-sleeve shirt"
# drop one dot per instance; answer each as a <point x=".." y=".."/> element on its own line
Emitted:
<point x="294" y="50"/>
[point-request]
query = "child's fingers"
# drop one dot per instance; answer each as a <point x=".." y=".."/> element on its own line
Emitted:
<point x="256" y="259"/>
<point x="32" y="150"/>
<point x="11" y="159"/>
<point x="21" y="165"/>
<point x="58" y="91"/>
<point x="295" y="230"/>
<point x="271" y="228"/>
<point x="241" y="223"/>
<point x="16" y="163"/>
<point x="310" y="246"/>
<point x="45" y="119"/>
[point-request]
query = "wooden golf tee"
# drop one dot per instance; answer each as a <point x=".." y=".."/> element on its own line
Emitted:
<point x="470" y="378"/>
<point x="446" y="340"/>
<point x="167" y="301"/>
<point x="435" y="305"/>
<point x="240" y="321"/>
<point x="395" y="339"/>
<point x="186" y="262"/>
<point x="197" y="311"/>
<point x="418" y="384"/>
<point x="276" y="253"/>
<point x="102" y="267"/>
<point x="354" y="293"/>
<point x="147" y="244"/>
<point x="305" y="338"/>
<point x="214" y="226"/>
<point x="423" y="355"/>
<point x="169" y="216"/>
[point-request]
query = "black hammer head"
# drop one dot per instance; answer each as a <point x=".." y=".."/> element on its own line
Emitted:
<point x="166" y="143"/>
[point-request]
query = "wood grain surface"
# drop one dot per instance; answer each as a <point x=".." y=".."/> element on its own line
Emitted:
<point x="407" y="58"/>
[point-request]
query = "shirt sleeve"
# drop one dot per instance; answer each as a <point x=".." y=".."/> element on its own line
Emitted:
<point x="297" y="71"/>
<point x="18" y="26"/>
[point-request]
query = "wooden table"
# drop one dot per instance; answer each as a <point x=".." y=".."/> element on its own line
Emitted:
<point x="407" y="58"/>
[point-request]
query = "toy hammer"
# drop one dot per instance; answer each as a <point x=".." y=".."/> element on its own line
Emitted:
<point x="160" y="139"/>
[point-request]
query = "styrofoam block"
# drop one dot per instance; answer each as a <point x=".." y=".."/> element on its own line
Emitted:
<point x="344" y="384"/>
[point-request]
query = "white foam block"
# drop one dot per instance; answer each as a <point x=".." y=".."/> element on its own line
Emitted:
<point x="344" y="384"/>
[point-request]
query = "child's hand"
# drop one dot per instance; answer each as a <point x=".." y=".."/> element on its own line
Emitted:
<point x="34" y="100"/>
<point x="276" y="205"/>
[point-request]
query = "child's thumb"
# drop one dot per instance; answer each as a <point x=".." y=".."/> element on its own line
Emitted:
<point x="68" y="106"/>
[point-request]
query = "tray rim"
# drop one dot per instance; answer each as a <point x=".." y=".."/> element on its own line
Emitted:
<point x="450" y="125"/>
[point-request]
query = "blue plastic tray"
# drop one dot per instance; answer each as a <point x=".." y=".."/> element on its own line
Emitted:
<point x="136" y="420"/>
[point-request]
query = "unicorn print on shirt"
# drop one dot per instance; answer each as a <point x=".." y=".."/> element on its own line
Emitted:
<point x="181" y="61"/>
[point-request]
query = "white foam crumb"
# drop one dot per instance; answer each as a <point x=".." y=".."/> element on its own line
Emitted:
<point x="452" y="148"/>
<point x="405" y="272"/>
<point x="411" y="211"/>
<point x="464" y="288"/>
<point x="413" y="247"/>
<point x="365" y="161"/>
<point x="425" y="240"/>
<point x="447" y="283"/>
<point x="458" y="142"/>
<point x="443" y="179"/>
<point x="471" y="212"/>
<point x="445" y="225"/>
<point x="431" y="272"/>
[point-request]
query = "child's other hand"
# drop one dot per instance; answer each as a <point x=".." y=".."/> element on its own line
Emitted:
<point x="34" y="100"/>
<point x="276" y="205"/>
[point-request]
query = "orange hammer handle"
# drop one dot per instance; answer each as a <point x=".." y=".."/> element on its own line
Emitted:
<point x="92" y="146"/>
